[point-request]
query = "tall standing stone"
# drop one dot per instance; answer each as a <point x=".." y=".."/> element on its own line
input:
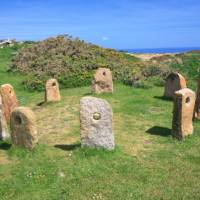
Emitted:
<point x="102" y="81"/>
<point x="9" y="100"/>
<point x="3" y="124"/>
<point x="23" y="128"/>
<point x="174" y="82"/>
<point x="96" y="123"/>
<point x="197" y="102"/>
<point x="52" y="92"/>
<point x="184" y="102"/>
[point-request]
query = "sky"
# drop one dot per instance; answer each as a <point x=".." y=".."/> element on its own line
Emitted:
<point x="120" y="24"/>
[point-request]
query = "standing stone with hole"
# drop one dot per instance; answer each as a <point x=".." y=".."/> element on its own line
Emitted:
<point x="174" y="82"/>
<point x="96" y="123"/>
<point x="197" y="102"/>
<point x="9" y="100"/>
<point x="52" y="92"/>
<point x="3" y="124"/>
<point x="102" y="81"/>
<point x="23" y="128"/>
<point x="184" y="102"/>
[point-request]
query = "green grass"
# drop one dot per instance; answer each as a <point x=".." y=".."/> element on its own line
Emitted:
<point x="15" y="79"/>
<point x="147" y="162"/>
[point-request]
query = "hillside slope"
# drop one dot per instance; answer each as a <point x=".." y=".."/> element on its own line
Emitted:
<point x="70" y="60"/>
<point x="73" y="61"/>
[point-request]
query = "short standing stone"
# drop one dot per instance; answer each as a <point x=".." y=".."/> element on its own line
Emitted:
<point x="102" y="81"/>
<point x="184" y="101"/>
<point x="23" y="128"/>
<point x="3" y="124"/>
<point x="197" y="102"/>
<point x="96" y="123"/>
<point x="174" y="82"/>
<point x="52" y="92"/>
<point x="9" y="100"/>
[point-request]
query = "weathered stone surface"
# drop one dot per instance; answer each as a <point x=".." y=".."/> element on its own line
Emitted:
<point x="102" y="81"/>
<point x="197" y="102"/>
<point x="52" y="92"/>
<point x="9" y="100"/>
<point x="3" y="124"/>
<point x="174" y="82"/>
<point x="23" y="128"/>
<point x="96" y="123"/>
<point x="184" y="102"/>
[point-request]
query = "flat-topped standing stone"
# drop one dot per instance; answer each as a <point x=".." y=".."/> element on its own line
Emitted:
<point x="102" y="81"/>
<point x="3" y="125"/>
<point x="184" y="101"/>
<point x="9" y="100"/>
<point x="197" y="102"/>
<point x="52" y="92"/>
<point x="174" y="82"/>
<point x="96" y="123"/>
<point x="23" y="127"/>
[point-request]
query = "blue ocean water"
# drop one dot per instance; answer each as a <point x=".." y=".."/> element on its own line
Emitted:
<point x="161" y="50"/>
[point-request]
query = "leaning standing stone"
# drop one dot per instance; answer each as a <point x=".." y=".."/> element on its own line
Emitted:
<point x="102" y="81"/>
<point x="174" y="82"/>
<point x="183" y="113"/>
<point x="52" y="92"/>
<point x="96" y="123"/>
<point x="23" y="128"/>
<point x="3" y="124"/>
<point x="9" y="100"/>
<point x="197" y="102"/>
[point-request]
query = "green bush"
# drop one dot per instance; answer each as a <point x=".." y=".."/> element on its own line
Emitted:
<point x="75" y="81"/>
<point x="72" y="62"/>
<point x="189" y="67"/>
<point x="33" y="84"/>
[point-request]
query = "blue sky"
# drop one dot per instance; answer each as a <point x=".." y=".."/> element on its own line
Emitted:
<point x="109" y="23"/>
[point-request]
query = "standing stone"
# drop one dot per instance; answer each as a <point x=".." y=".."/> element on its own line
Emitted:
<point x="197" y="102"/>
<point x="102" y="81"/>
<point x="9" y="100"/>
<point x="96" y="123"/>
<point x="3" y="124"/>
<point x="23" y="127"/>
<point x="174" y="82"/>
<point x="52" y="92"/>
<point x="183" y="113"/>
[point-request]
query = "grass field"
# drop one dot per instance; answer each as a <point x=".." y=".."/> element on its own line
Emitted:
<point x="146" y="164"/>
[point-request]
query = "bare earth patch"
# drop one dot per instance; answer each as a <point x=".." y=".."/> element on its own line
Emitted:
<point x="146" y="57"/>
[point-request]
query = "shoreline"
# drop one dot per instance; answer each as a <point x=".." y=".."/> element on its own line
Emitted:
<point x="161" y="50"/>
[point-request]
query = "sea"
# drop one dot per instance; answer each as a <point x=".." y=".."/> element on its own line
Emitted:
<point x="161" y="50"/>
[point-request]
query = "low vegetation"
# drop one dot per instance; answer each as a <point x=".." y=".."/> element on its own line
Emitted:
<point x="70" y="60"/>
<point x="73" y="61"/>
<point x="146" y="164"/>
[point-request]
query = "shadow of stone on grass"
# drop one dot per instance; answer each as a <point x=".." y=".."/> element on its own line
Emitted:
<point x="88" y="94"/>
<point x="163" y="98"/>
<point x="41" y="103"/>
<point x="68" y="147"/>
<point x="160" y="131"/>
<point x="5" y="146"/>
